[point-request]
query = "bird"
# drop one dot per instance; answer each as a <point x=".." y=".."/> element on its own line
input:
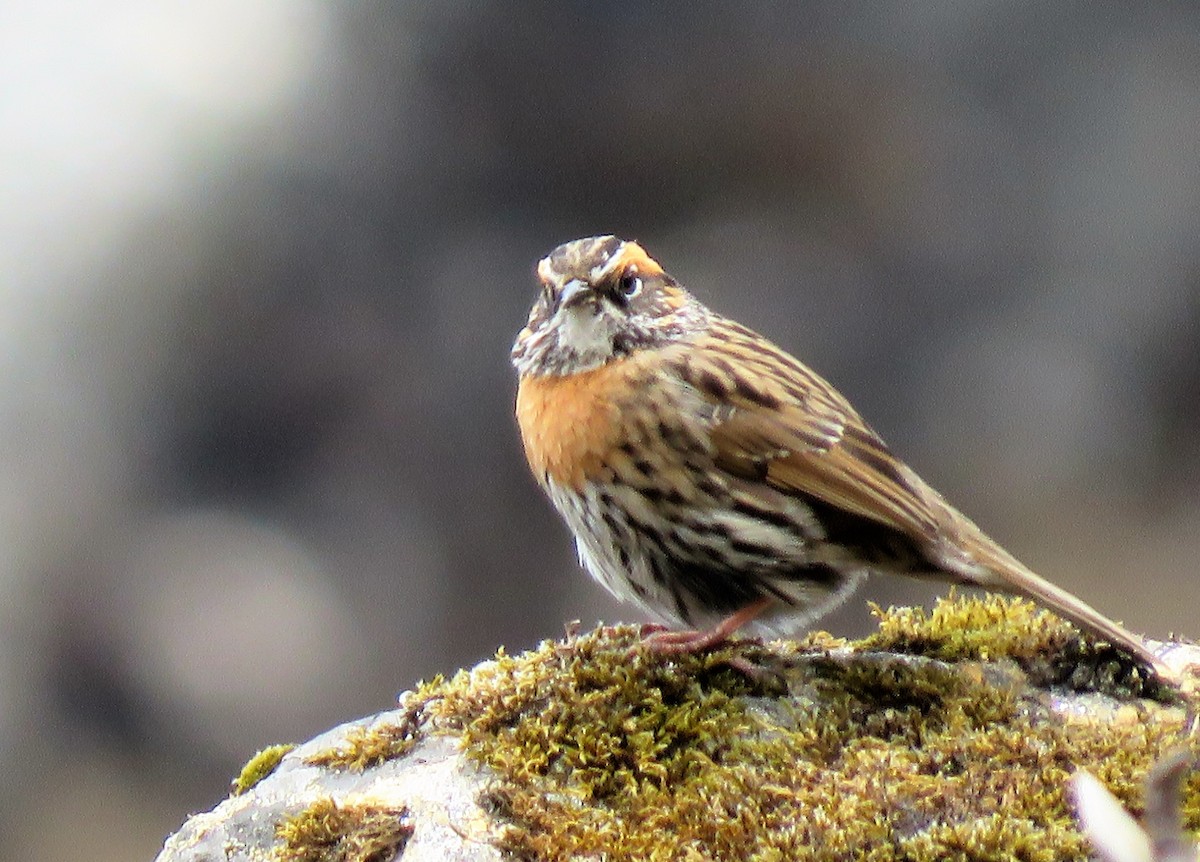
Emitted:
<point x="714" y="480"/>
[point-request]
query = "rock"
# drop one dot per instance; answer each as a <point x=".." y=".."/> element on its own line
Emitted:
<point x="952" y="733"/>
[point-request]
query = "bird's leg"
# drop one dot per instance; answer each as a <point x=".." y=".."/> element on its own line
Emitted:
<point x="691" y="641"/>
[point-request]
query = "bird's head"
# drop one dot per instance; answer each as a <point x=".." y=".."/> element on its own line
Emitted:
<point x="601" y="298"/>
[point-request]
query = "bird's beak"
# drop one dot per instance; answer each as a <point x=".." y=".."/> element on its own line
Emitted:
<point x="574" y="292"/>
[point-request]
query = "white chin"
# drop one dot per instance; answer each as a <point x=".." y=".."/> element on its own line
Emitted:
<point x="586" y="334"/>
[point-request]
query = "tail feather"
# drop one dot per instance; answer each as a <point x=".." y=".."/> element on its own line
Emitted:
<point x="978" y="560"/>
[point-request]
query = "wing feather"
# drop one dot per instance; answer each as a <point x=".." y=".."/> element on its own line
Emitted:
<point x="803" y="439"/>
<point x="774" y="421"/>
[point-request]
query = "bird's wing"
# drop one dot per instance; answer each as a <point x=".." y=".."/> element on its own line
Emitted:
<point x="773" y="420"/>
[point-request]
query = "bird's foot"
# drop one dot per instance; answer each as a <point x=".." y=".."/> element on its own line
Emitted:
<point x="665" y="642"/>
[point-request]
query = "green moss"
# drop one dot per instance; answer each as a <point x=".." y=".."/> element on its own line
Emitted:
<point x="365" y="747"/>
<point x="326" y="831"/>
<point x="975" y="628"/>
<point x="259" y="767"/>
<point x="992" y="627"/>
<point x="1191" y="799"/>
<point x="850" y="751"/>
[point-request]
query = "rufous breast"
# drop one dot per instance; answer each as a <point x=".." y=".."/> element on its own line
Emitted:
<point x="571" y="424"/>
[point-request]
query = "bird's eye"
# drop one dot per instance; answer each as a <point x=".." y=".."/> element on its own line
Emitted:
<point x="630" y="285"/>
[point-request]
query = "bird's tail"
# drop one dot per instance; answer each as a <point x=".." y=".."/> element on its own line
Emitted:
<point x="981" y="561"/>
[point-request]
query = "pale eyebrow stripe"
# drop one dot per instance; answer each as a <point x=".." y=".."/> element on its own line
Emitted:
<point x="600" y="270"/>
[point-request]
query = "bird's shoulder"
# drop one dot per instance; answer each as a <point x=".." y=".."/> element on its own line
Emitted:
<point x="773" y="419"/>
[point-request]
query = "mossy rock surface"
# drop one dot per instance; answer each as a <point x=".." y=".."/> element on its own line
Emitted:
<point x="932" y="739"/>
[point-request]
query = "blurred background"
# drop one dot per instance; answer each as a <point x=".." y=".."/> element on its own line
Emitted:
<point x="261" y="263"/>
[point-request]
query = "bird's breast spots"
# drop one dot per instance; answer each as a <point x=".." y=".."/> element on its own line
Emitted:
<point x="572" y="425"/>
